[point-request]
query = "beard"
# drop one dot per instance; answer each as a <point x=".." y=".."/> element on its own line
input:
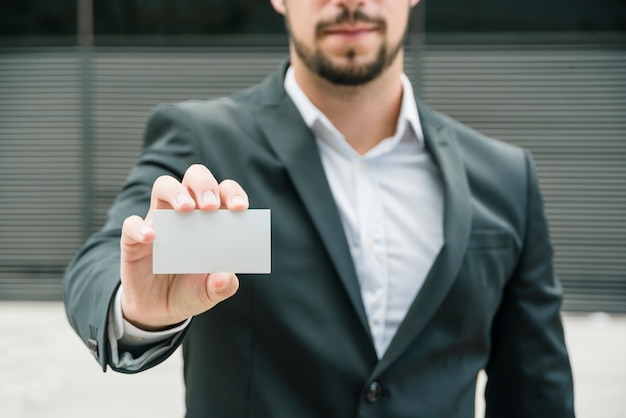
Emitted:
<point x="353" y="74"/>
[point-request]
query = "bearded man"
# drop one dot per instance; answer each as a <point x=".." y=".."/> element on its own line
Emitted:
<point x="409" y="252"/>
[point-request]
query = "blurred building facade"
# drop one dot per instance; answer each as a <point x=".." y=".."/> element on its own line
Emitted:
<point x="543" y="75"/>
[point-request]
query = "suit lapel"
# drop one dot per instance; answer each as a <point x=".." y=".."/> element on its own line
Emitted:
<point x="441" y="142"/>
<point x="295" y="145"/>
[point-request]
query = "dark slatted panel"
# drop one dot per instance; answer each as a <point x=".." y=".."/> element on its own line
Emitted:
<point x="128" y="83"/>
<point x="40" y="181"/>
<point x="567" y="104"/>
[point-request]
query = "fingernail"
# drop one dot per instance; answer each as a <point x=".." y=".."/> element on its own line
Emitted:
<point x="183" y="199"/>
<point x="237" y="201"/>
<point x="209" y="198"/>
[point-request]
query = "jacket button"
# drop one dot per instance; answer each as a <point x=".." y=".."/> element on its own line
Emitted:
<point x="373" y="392"/>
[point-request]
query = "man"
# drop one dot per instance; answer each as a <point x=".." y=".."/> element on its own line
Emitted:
<point x="408" y="251"/>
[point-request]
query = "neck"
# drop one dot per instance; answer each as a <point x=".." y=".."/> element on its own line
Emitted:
<point x="364" y="114"/>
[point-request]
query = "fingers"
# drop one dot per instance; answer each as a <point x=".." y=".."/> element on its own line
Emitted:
<point x="202" y="187"/>
<point x="136" y="231"/>
<point x="198" y="190"/>
<point x="136" y="237"/>
<point x="168" y="193"/>
<point x="233" y="196"/>
<point x="219" y="286"/>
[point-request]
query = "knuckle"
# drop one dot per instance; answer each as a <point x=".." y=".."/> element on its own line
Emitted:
<point x="162" y="181"/>
<point x="196" y="169"/>
<point x="130" y="226"/>
<point x="198" y="175"/>
<point x="196" y="166"/>
<point x="129" y="222"/>
<point x="231" y="185"/>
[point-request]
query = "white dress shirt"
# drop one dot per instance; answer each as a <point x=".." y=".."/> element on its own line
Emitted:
<point x="390" y="201"/>
<point x="391" y="205"/>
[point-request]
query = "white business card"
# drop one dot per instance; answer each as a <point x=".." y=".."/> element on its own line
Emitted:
<point x="206" y="242"/>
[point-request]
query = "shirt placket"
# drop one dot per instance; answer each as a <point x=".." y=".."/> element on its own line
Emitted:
<point x="374" y="277"/>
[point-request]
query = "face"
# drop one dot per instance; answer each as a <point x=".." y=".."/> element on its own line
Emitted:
<point x="349" y="42"/>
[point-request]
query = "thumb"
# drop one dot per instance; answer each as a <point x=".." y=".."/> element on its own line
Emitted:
<point x="220" y="286"/>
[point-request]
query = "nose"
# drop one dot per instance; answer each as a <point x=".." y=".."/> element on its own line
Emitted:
<point x="349" y="5"/>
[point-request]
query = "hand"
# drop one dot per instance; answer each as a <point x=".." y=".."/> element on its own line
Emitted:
<point x="153" y="302"/>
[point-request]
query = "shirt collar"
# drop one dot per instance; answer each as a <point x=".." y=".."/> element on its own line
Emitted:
<point x="313" y="117"/>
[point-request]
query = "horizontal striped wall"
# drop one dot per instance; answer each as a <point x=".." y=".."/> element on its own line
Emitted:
<point x="566" y="104"/>
<point x="71" y="123"/>
<point x="40" y="169"/>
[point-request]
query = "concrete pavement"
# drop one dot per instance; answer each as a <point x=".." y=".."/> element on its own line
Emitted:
<point x="45" y="371"/>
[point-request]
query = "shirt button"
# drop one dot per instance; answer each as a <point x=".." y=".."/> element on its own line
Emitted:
<point x="373" y="392"/>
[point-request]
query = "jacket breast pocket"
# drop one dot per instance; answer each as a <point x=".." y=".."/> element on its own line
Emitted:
<point x="490" y="239"/>
<point x="488" y="264"/>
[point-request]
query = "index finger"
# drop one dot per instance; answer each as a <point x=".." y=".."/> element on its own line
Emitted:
<point x="168" y="193"/>
<point x="201" y="184"/>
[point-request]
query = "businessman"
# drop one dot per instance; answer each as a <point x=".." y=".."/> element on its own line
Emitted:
<point x="409" y="252"/>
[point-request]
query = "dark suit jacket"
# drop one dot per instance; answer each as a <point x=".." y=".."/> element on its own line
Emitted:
<point x="296" y="343"/>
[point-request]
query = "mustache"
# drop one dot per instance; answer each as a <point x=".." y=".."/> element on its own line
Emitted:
<point x="345" y="16"/>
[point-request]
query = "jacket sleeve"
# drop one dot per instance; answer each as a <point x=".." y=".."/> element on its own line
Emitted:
<point x="529" y="371"/>
<point x="92" y="277"/>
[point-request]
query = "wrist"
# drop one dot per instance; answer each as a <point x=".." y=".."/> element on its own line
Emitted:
<point x="133" y="315"/>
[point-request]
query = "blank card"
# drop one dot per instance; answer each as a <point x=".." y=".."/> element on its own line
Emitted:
<point x="206" y="242"/>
